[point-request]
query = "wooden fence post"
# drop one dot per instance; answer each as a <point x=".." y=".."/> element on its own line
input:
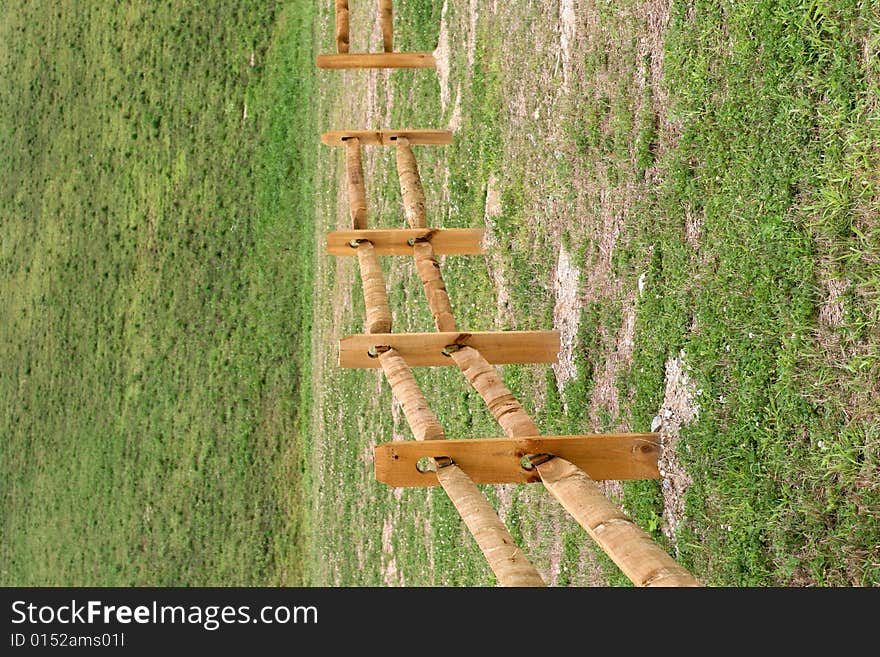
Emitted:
<point x="505" y="558"/>
<point x="399" y="241"/>
<point x="433" y="349"/>
<point x="388" y="137"/>
<point x="377" y="60"/>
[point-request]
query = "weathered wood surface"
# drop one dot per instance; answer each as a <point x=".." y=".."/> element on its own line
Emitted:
<point x="342" y="30"/>
<point x="357" y="194"/>
<point x="378" y="313"/>
<point x="505" y="558"/>
<point x="616" y="457"/>
<point x="416" y="137"/>
<point x="353" y="60"/>
<point x="396" y="241"/>
<point x="475" y="362"/>
<point x="426" y="350"/>
<point x="386" y="20"/>
<point x="411" y="189"/>
<point x="633" y="550"/>
<point x="435" y="288"/>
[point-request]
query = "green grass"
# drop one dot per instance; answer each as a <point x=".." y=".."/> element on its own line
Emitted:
<point x="779" y="155"/>
<point x="155" y="258"/>
<point x="766" y="191"/>
<point x="172" y="412"/>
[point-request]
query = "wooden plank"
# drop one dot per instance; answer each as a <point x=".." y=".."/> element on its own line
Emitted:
<point x="394" y="241"/>
<point x="416" y="137"/>
<point x="426" y="349"/>
<point x="616" y="457"/>
<point x="377" y="60"/>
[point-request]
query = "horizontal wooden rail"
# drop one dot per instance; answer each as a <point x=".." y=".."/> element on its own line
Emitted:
<point x="629" y="546"/>
<point x="435" y="288"/>
<point x="411" y="191"/>
<point x="476" y="366"/>
<point x="426" y="349"/>
<point x="633" y="550"/>
<point x="396" y="241"/>
<point x="416" y="137"/>
<point x="378" y="314"/>
<point x="357" y="192"/>
<point x="499" y="460"/>
<point x="377" y="60"/>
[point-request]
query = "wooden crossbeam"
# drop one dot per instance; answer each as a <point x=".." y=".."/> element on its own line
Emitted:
<point x="395" y="241"/>
<point x="426" y="349"/>
<point x="388" y="137"/>
<point x="616" y="457"/>
<point x="377" y="60"/>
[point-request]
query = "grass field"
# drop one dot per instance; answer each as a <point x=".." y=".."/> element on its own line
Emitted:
<point x="689" y="186"/>
<point x="156" y="254"/>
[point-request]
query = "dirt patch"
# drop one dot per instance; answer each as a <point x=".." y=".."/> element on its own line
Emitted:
<point x="505" y="500"/>
<point x="493" y="200"/>
<point x="679" y="408"/>
<point x="693" y="228"/>
<point x="473" y="17"/>
<point x="455" y="118"/>
<point x="567" y="36"/>
<point x="390" y="575"/>
<point x="831" y="311"/>
<point x="555" y="552"/>
<point x="491" y="245"/>
<point x="566" y="315"/>
<point x="605" y="397"/>
<point x="590" y="570"/>
<point x="441" y="57"/>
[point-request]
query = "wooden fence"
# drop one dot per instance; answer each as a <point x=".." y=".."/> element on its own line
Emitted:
<point x="344" y="59"/>
<point x="568" y="466"/>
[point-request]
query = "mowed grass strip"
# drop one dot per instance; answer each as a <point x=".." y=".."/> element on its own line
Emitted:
<point x="156" y="240"/>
